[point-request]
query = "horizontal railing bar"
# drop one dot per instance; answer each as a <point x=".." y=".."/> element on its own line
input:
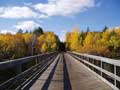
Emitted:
<point x="90" y="62"/>
<point x="103" y="70"/>
<point x="98" y="68"/>
<point x="26" y="72"/>
<point x="11" y="63"/>
<point x="99" y="58"/>
<point x="25" y="85"/>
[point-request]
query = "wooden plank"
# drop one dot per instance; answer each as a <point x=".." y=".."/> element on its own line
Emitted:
<point x="57" y="80"/>
<point x="81" y="78"/>
<point x="42" y="79"/>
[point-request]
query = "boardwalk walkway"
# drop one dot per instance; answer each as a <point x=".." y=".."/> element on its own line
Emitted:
<point x="67" y="73"/>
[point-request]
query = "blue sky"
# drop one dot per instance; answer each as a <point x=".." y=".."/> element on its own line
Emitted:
<point x="59" y="16"/>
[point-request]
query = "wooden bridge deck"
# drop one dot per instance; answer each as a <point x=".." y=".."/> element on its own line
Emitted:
<point x="66" y="73"/>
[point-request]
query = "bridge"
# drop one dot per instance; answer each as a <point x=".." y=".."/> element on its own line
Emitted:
<point x="60" y="71"/>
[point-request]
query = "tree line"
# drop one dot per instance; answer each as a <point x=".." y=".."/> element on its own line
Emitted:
<point x="105" y="43"/>
<point x="26" y="43"/>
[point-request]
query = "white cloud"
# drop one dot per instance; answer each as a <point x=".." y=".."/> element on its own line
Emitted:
<point x="28" y="4"/>
<point x="64" y="7"/>
<point x="26" y="25"/>
<point x="17" y="12"/>
<point x="43" y="10"/>
<point x="7" y="31"/>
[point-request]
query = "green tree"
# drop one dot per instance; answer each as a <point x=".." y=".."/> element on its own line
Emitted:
<point x="105" y="28"/>
<point x="20" y="31"/>
<point x="38" y="31"/>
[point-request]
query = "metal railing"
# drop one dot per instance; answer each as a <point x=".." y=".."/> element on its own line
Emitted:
<point x="106" y="69"/>
<point x="17" y="82"/>
<point x="20" y="61"/>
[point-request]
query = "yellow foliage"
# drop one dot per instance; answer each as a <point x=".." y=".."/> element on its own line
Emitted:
<point x="99" y="43"/>
<point x="73" y="39"/>
<point x="50" y="39"/>
<point x="54" y="46"/>
<point x="44" y="48"/>
<point x="28" y="37"/>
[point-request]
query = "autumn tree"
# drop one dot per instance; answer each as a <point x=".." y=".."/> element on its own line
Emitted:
<point x="21" y="44"/>
<point x="105" y="43"/>
<point x="28" y="39"/>
<point x="47" y="42"/>
<point x="73" y="40"/>
<point x="12" y="46"/>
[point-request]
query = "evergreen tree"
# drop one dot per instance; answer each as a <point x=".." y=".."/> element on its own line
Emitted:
<point x="20" y="31"/>
<point x="38" y="31"/>
<point x="105" y="28"/>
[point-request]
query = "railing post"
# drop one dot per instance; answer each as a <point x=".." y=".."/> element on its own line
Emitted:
<point x="18" y="69"/>
<point x="36" y="60"/>
<point x="101" y="67"/>
<point x="115" y="75"/>
<point x="106" y="67"/>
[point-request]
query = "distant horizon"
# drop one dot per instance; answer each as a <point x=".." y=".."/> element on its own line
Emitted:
<point x="62" y="39"/>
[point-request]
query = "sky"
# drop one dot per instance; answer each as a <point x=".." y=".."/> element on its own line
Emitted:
<point x="59" y="16"/>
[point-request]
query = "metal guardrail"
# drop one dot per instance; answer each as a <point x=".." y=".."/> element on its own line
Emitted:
<point x="106" y="69"/>
<point x="15" y="62"/>
<point x="24" y="78"/>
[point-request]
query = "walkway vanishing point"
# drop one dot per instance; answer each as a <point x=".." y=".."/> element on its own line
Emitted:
<point x="62" y="71"/>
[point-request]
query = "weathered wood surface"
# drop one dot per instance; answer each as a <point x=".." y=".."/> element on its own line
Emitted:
<point x="39" y="84"/>
<point x="68" y="74"/>
<point x="81" y="78"/>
